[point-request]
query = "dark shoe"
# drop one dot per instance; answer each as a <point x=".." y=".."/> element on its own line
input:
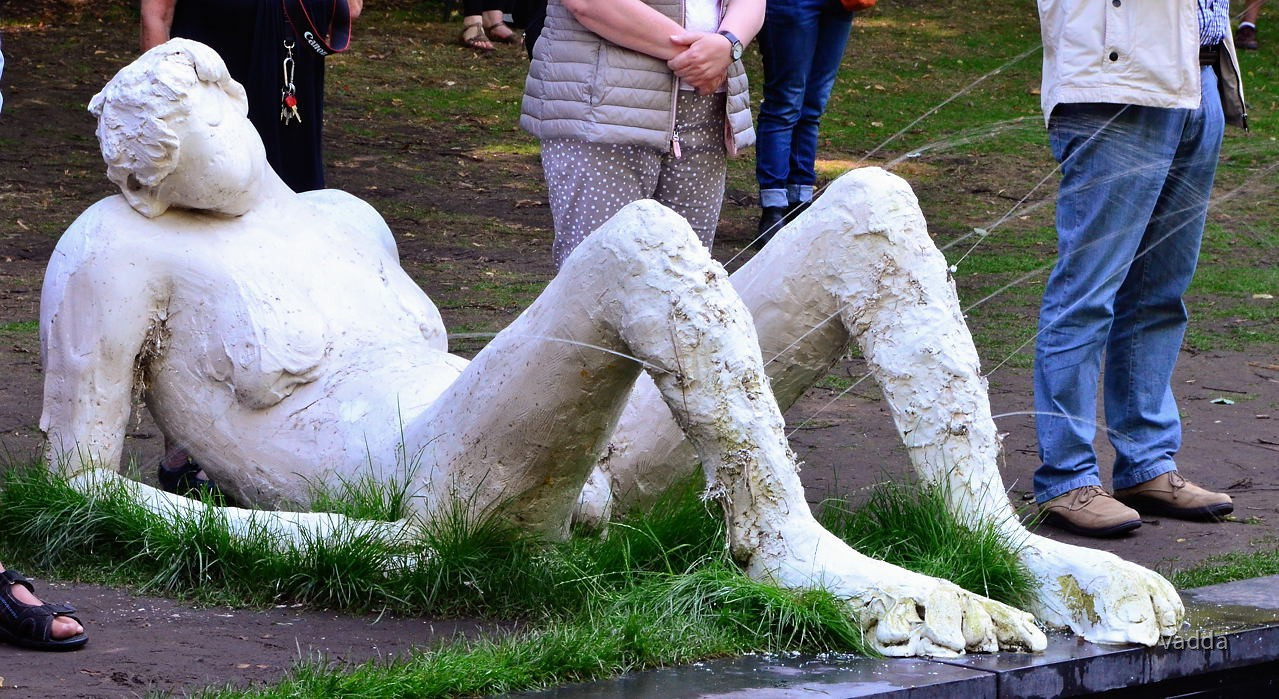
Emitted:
<point x="771" y="220"/>
<point x="29" y="625"/>
<point x="185" y="480"/>
<point x="1246" y="38"/>
<point x="1170" y="495"/>
<point x="1090" y="511"/>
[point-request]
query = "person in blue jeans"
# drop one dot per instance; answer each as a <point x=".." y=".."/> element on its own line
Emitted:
<point x="802" y="43"/>
<point x="1137" y="127"/>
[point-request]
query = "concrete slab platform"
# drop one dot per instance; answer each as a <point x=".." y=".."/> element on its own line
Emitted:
<point x="1228" y="647"/>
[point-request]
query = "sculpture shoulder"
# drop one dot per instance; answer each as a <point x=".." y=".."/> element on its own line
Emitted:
<point x="363" y="222"/>
<point x="108" y="224"/>
<point x="340" y="201"/>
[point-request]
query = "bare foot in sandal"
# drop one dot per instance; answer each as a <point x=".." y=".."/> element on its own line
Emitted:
<point x="473" y="36"/>
<point x="496" y="29"/>
<point x="26" y="621"/>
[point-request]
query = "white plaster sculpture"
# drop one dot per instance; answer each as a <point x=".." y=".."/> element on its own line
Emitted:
<point x="276" y="337"/>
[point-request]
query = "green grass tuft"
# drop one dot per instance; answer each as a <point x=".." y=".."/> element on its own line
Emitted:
<point x="912" y="526"/>
<point x="659" y="589"/>
<point x="1237" y="565"/>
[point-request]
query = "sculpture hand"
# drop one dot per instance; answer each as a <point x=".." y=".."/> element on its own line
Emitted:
<point x="902" y="613"/>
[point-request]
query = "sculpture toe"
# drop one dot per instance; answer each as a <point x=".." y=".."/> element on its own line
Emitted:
<point x="1100" y="596"/>
<point x="949" y="622"/>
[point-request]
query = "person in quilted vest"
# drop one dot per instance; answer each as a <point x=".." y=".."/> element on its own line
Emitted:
<point x="639" y="99"/>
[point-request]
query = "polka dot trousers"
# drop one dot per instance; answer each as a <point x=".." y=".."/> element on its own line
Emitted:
<point x="589" y="182"/>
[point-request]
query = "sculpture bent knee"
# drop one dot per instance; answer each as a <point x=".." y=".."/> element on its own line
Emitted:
<point x="281" y="357"/>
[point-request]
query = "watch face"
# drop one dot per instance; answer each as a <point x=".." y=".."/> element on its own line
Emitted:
<point x="735" y="48"/>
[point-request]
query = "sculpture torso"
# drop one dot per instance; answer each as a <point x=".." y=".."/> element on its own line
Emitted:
<point x="266" y="324"/>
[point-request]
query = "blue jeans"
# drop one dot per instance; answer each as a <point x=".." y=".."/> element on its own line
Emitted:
<point x="802" y="43"/>
<point x="1130" y="217"/>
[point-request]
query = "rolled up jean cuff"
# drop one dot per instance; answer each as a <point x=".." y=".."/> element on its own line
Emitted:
<point x="773" y="197"/>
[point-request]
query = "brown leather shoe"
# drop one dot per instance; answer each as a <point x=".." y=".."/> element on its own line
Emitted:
<point x="1171" y="495"/>
<point x="1246" y="39"/>
<point x="1090" y="511"/>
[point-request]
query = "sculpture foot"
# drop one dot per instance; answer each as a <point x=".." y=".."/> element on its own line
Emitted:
<point x="902" y="613"/>
<point x="1100" y="596"/>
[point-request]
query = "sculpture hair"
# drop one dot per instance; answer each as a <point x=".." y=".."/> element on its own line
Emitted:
<point x="138" y="110"/>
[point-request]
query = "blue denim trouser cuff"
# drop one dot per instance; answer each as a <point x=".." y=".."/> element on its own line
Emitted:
<point x="773" y="197"/>
<point x="1128" y="480"/>
<point x="1063" y="488"/>
<point x="799" y="193"/>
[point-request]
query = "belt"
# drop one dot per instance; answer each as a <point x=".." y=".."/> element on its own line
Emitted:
<point x="1209" y="55"/>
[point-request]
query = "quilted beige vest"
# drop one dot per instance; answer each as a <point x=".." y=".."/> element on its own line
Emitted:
<point x="582" y="87"/>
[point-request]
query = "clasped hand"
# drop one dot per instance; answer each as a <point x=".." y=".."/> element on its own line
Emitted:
<point x="704" y="62"/>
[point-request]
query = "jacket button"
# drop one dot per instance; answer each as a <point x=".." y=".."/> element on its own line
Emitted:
<point x="1114" y="55"/>
<point x="1116" y="3"/>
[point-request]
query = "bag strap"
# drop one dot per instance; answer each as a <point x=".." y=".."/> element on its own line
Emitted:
<point x="338" y="37"/>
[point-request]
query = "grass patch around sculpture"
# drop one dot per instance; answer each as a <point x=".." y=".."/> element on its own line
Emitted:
<point x="1228" y="567"/>
<point x="910" y="525"/>
<point x="657" y="589"/>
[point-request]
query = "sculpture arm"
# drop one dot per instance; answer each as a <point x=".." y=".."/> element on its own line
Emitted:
<point x="97" y="311"/>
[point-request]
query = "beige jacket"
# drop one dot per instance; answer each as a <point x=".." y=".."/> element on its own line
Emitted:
<point x="582" y="87"/>
<point x="1141" y="52"/>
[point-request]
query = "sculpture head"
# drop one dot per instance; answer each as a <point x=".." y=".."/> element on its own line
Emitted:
<point x="174" y="131"/>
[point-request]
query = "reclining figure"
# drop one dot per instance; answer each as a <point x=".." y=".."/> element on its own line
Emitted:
<point x="276" y="337"/>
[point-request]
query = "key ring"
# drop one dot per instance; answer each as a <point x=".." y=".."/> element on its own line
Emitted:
<point x="288" y="64"/>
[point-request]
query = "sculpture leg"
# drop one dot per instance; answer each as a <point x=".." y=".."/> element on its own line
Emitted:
<point x="527" y="419"/>
<point x="859" y="263"/>
<point x="907" y="320"/>
<point x="894" y="294"/>
<point x="642" y="286"/>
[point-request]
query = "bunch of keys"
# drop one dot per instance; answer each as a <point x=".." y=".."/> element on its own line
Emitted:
<point x="288" y="100"/>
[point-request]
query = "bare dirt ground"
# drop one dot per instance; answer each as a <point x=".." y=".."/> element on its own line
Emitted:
<point x="50" y="171"/>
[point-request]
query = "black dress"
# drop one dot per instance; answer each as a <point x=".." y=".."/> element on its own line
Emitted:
<point x="250" y="35"/>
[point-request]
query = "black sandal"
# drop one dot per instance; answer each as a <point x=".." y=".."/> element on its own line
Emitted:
<point x="185" y="480"/>
<point x="29" y="625"/>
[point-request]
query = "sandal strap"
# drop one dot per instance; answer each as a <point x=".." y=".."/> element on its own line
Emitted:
<point x="30" y="621"/>
<point x="61" y="609"/>
<point x="16" y="578"/>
